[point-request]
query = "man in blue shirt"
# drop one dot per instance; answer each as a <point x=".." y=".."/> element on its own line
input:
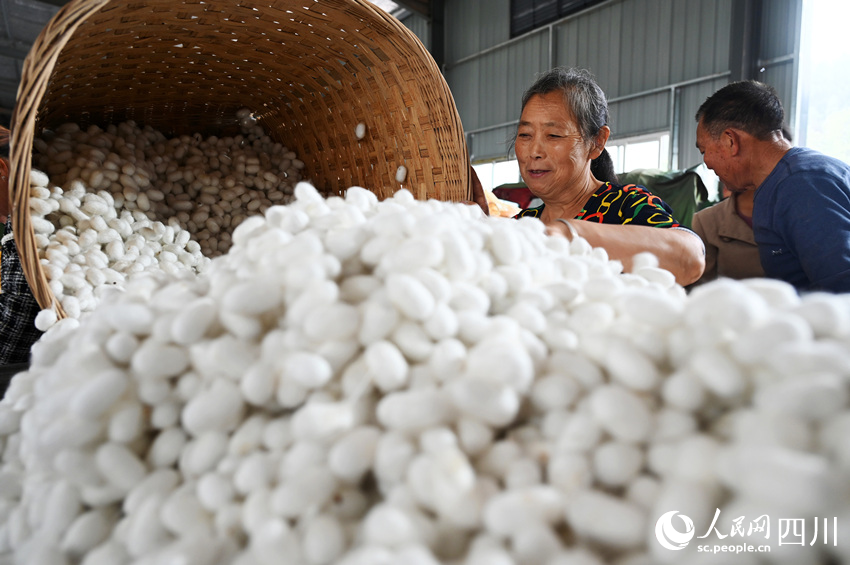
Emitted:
<point x="801" y="211"/>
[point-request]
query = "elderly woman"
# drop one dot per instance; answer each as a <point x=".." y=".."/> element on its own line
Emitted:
<point x="562" y="129"/>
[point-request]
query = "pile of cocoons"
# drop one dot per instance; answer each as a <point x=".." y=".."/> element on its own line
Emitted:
<point x="359" y="382"/>
<point x="115" y="202"/>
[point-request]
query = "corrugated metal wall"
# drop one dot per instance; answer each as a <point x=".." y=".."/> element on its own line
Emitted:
<point x="657" y="60"/>
<point x="20" y="23"/>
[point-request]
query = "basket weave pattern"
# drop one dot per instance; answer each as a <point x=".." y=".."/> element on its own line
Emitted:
<point x="309" y="70"/>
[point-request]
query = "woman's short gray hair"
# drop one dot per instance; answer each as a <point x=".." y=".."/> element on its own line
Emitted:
<point x="582" y="95"/>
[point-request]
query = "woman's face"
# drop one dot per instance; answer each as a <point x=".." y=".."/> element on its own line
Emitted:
<point x="552" y="156"/>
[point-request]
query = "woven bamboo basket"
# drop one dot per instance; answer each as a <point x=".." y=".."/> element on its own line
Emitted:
<point x="310" y="71"/>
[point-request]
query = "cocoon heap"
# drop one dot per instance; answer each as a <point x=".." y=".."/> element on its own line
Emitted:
<point x="407" y="381"/>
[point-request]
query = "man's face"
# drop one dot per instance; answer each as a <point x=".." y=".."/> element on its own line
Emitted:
<point x="716" y="156"/>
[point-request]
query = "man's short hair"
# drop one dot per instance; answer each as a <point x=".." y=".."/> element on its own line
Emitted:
<point x="751" y="106"/>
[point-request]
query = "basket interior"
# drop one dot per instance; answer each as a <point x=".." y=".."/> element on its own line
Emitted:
<point x="309" y="73"/>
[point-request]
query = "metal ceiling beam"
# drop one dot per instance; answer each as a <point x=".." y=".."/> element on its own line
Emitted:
<point x="59" y="3"/>
<point x="421" y="7"/>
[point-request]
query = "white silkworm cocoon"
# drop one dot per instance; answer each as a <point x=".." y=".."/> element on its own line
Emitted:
<point x="358" y="288"/>
<point x="360" y="131"/>
<point x="166" y="448"/>
<point x="353" y="454"/>
<point x="412" y="341"/>
<point x="491" y="401"/>
<point x="506" y="246"/>
<point x="808" y="473"/>
<point x="605" y="519"/>
<point x="377" y="321"/>
<point x="182" y="513"/>
<point x="581" y="432"/>
<point x="252" y="297"/>
<point x="290" y="394"/>
<point x="65" y="505"/>
<point x="718" y="372"/>
<point x="507" y="512"/>
<point x="672" y="424"/>
<point x="42" y="226"/>
<point x="474" y="436"/>
<point x="203" y="453"/>
<point x="322" y="420"/>
<point x="500" y="359"/>
<point x="616" y="464"/>
<point x="447" y="359"/>
<point x="656" y="275"/>
<point x="401" y="173"/>
<point x="125" y="424"/>
<point x="393" y="453"/>
<point x="345" y="243"/>
<point x="274" y="539"/>
<point x="254" y="472"/>
<point x="94" y="397"/>
<point x="523" y="473"/>
<point x="469" y="297"/>
<point x="554" y="391"/>
<point x="683" y="390"/>
<point x="302" y="492"/>
<point x="591" y="317"/>
<point x="629" y="366"/>
<point x="333" y="321"/>
<point x="389" y="526"/>
<point x="410" y="296"/>
<point x="215" y="491"/>
<point x="219" y="408"/>
<point x="121" y="346"/>
<point x="258" y="383"/>
<point x="412" y="254"/>
<point x="695" y="458"/>
<point x="569" y="472"/>
<point x="119" y="465"/>
<point x="145" y="530"/>
<point x="621" y="413"/>
<point x="826" y="317"/>
<point x="193" y="322"/>
<point x="136" y="319"/>
<point x="45" y="319"/>
<point x="87" y="531"/>
<point x="38" y="178"/>
<point x="387" y="365"/>
<point x="819" y="397"/>
<point x="443" y="323"/>
<point x="324" y="540"/>
<point x="165" y="415"/>
<point x="307" y="369"/>
<point x="757" y="344"/>
<point x="414" y="409"/>
<point x="156" y="360"/>
<point x="248" y="437"/>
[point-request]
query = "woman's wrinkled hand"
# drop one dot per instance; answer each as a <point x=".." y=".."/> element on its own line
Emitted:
<point x="478" y="196"/>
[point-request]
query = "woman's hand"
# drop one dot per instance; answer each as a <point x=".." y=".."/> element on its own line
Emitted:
<point x="678" y="251"/>
<point x="478" y="196"/>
